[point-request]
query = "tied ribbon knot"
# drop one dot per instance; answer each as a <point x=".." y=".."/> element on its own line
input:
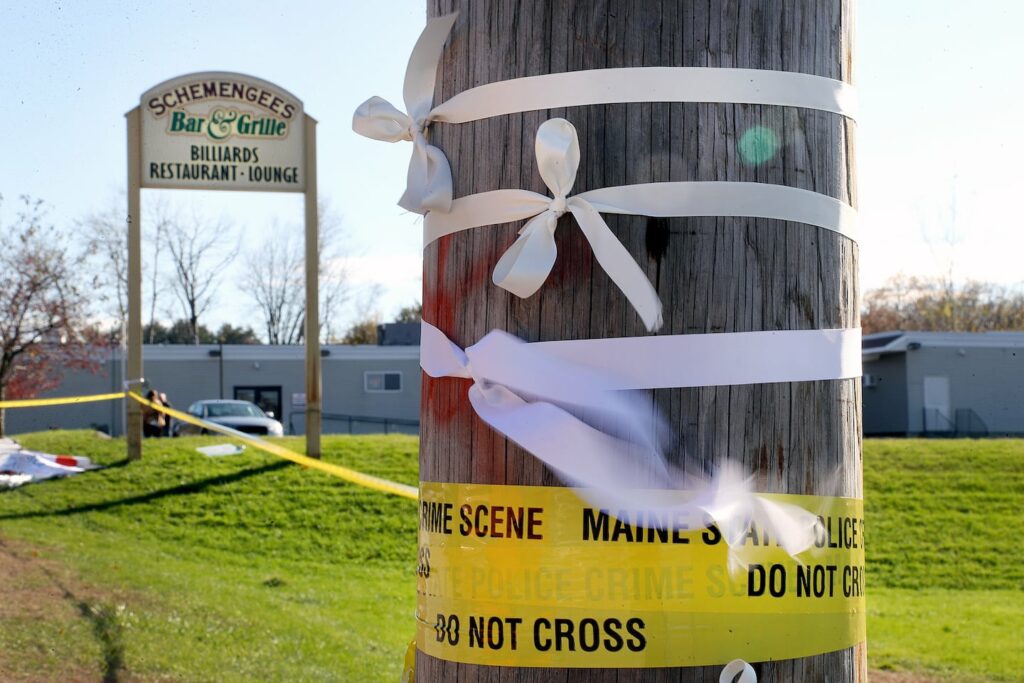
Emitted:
<point x="429" y="179"/>
<point x="526" y="393"/>
<point x="524" y="267"/>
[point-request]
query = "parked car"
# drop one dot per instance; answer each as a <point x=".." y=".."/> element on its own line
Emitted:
<point x="241" y="415"/>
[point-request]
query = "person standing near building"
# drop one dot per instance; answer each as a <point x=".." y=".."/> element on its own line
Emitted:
<point x="153" y="421"/>
<point x="167" y="418"/>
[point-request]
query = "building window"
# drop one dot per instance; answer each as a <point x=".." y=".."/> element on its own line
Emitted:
<point x="267" y="398"/>
<point x="382" y="382"/>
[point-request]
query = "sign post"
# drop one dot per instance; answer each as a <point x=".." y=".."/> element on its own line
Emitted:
<point x="133" y="370"/>
<point x="313" y="398"/>
<point x="222" y="131"/>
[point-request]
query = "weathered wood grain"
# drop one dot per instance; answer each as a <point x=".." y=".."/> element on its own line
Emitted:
<point x="713" y="274"/>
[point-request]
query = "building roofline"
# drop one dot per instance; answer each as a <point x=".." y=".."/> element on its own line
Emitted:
<point x="899" y="342"/>
<point x="271" y="352"/>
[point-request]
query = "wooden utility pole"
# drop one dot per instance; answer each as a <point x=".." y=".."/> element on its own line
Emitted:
<point x="314" y="400"/>
<point x="133" y="341"/>
<point x="712" y="274"/>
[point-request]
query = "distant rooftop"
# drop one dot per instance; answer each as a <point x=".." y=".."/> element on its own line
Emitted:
<point x="897" y="342"/>
<point x="251" y="352"/>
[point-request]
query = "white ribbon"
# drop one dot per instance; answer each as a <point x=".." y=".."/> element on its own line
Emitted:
<point x="654" y="362"/>
<point x="717" y="359"/>
<point x="429" y="183"/>
<point x="661" y="200"/>
<point x="429" y="180"/>
<point x="523" y="268"/>
<point x="525" y="394"/>
<point x="547" y="397"/>
<point x="650" y="84"/>
<point x="738" y="671"/>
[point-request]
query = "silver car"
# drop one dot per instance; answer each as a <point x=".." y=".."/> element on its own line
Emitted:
<point x="241" y="415"/>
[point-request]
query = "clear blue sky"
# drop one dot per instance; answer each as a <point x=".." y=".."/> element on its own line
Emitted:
<point x="939" y="85"/>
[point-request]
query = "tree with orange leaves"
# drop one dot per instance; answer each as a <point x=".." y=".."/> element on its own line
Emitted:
<point x="43" y="330"/>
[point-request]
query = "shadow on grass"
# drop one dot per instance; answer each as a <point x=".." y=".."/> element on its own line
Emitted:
<point x="105" y="619"/>
<point x="109" y="631"/>
<point x="180" y="490"/>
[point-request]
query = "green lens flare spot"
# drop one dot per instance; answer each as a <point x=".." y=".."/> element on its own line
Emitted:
<point x="758" y="145"/>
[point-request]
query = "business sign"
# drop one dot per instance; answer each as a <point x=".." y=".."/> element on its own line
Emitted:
<point x="222" y="131"/>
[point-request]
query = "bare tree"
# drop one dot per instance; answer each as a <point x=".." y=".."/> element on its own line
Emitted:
<point x="200" y="250"/>
<point x="42" y="306"/>
<point x="937" y="304"/>
<point x="335" y="290"/>
<point x="106" y="235"/>
<point x="161" y="219"/>
<point x="363" y="329"/>
<point x="275" y="279"/>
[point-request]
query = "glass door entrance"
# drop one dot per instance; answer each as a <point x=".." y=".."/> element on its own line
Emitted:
<point x="267" y="398"/>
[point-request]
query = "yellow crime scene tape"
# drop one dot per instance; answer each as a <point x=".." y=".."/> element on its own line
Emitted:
<point x="34" y="402"/>
<point x="349" y="475"/>
<point x="535" y="576"/>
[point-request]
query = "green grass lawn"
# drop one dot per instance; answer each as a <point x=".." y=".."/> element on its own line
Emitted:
<point x="229" y="569"/>
<point x="946" y="581"/>
<point x="182" y="567"/>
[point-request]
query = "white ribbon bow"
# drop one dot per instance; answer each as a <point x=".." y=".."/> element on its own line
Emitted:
<point x="525" y="266"/>
<point x="525" y="393"/>
<point x="429" y="180"/>
<point x="429" y="183"/>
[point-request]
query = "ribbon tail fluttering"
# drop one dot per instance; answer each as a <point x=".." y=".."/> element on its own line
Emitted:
<point x="524" y="266"/>
<point x="617" y="262"/>
<point x="605" y="442"/>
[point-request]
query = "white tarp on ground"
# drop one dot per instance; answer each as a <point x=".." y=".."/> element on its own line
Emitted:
<point x="220" y="450"/>
<point x="21" y="466"/>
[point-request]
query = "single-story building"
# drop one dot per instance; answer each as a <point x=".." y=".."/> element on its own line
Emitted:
<point x="365" y="388"/>
<point x="943" y="383"/>
<point x="914" y="383"/>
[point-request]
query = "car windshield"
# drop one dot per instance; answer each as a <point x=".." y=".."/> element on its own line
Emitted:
<point x="232" y="410"/>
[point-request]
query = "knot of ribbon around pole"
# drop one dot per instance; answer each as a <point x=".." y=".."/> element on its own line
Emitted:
<point x="526" y="393"/>
<point x="526" y="264"/>
<point x="429" y="179"/>
<point x="548" y="405"/>
<point x="524" y="267"/>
